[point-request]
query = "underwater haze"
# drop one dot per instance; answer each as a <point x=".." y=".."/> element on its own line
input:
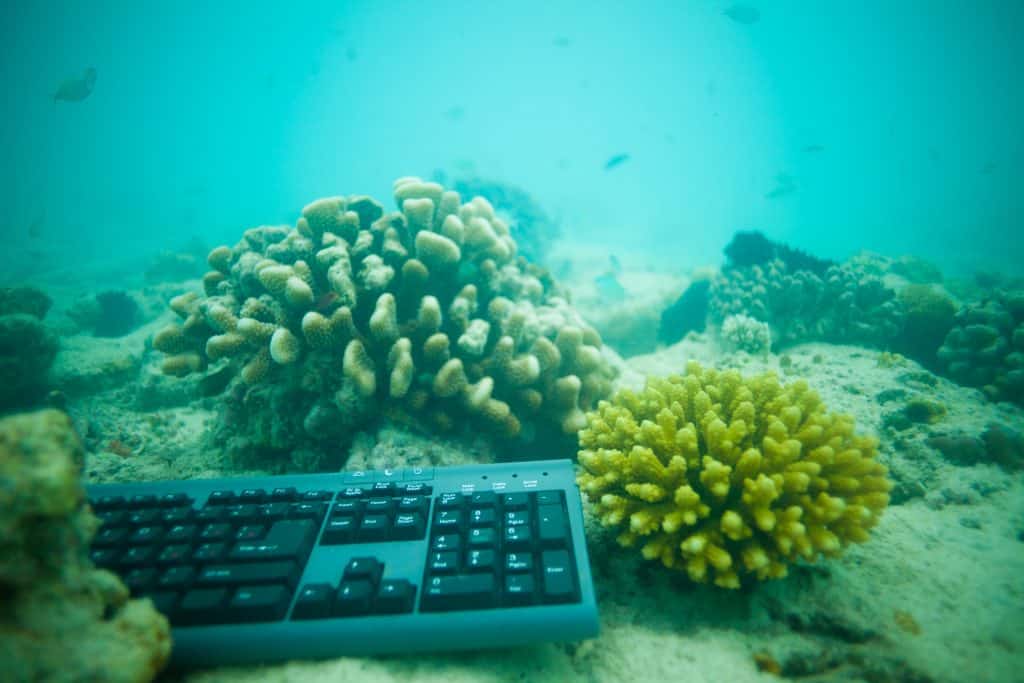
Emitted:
<point x="659" y="126"/>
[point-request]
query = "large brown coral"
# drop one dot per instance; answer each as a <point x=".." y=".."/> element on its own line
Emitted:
<point x="427" y="308"/>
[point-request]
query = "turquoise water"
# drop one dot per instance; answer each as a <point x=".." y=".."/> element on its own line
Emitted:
<point x="894" y="127"/>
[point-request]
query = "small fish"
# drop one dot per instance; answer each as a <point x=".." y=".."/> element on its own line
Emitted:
<point x="810" y="149"/>
<point x="560" y="41"/>
<point x="614" y="261"/>
<point x="36" y="228"/>
<point x="609" y="288"/>
<point x="784" y="185"/>
<point x="743" y="14"/>
<point x="455" y="113"/>
<point x="76" y="89"/>
<point x="616" y="160"/>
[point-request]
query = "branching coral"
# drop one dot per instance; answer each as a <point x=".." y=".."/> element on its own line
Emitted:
<point x="427" y="309"/>
<point x="727" y="477"/>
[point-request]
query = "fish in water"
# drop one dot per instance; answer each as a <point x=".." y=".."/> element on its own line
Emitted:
<point x="784" y="185"/>
<point x="743" y="14"/>
<point x="609" y="288"/>
<point x="814" y="148"/>
<point x="560" y="41"/>
<point x="614" y="261"/>
<point x="76" y="89"/>
<point x="616" y="160"/>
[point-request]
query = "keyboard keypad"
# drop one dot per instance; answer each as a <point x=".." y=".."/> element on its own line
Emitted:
<point x="491" y="550"/>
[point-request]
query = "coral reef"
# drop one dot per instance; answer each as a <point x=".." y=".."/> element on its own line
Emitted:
<point x="742" y="333"/>
<point x="118" y="314"/>
<point x="752" y="248"/>
<point x="62" y="619"/>
<point x="927" y="319"/>
<point x="530" y="226"/>
<point x="726" y="477"/>
<point x="848" y="304"/>
<point x="27" y="350"/>
<point x="355" y="312"/>
<point x="688" y="314"/>
<point x="24" y="301"/>
<point x="985" y="348"/>
<point x="998" y="444"/>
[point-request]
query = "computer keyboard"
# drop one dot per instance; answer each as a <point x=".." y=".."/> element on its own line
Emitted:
<point x="266" y="569"/>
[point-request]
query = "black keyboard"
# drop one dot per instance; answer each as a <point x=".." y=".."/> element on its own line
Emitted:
<point x="310" y="566"/>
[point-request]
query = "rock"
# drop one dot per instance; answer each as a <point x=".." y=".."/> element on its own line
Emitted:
<point x="63" y="619"/>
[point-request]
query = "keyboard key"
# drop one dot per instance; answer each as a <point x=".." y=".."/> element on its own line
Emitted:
<point x="518" y="518"/>
<point x="174" y="500"/>
<point x="216" y="532"/>
<point x="201" y="606"/>
<point x="164" y="601"/>
<point x="557" y="576"/>
<point x="137" y="556"/>
<point x="142" y="500"/>
<point x="112" y="518"/>
<point x="363" y="568"/>
<point x="107" y="503"/>
<point x="176" y="578"/>
<point x="284" y="494"/>
<point x="408" y="527"/>
<point x="518" y="562"/>
<point x="519" y="589"/>
<point x="483" y="499"/>
<point x="250" y="573"/>
<point x="446" y="520"/>
<point x="449" y="501"/>
<point x="314" y="511"/>
<point x="373" y="528"/>
<point x="444" y="563"/>
<point x="252" y="496"/>
<point x="221" y="498"/>
<point x="418" y="504"/>
<point x="461" y="591"/>
<point x="174" y="554"/>
<point x="209" y="552"/>
<point x="269" y="513"/>
<point x="382" y="506"/>
<point x="348" y="506"/>
<point x="395" y="596"/>
<point x="339" y="530"/>
<point x="209" y="515"/>
<point x="241" y="514"/>
<point x="551" y="525"/>
<point x="143" y="517"/>
<point x="515" y="501"/>
<point x="483" y="537"/>
<point x="250" y="532"/>
<point x="287" y="539"/>
<point x="481" y="517"/>
<point x="140" y="580"/>
<point x="353" y="598"/>
<point x="176" y="515"/>
<point x="352" y="492"/>
<point x="314" y="601"/>
<point x="383" y="488"/>
<point x="480" y="560"/>
<point x="416" y="488"/>
<point x="314" y="496"/>
<point x="549" y="498"/>
<point x="180" y="533"/>
<point x="105" y="558"/>
<point x="517" y="537"/>
<point x="259" y="603"/>
<point x="446" y="542"/>
<point x="418" y="473"/>
<point x="110" y="537"/>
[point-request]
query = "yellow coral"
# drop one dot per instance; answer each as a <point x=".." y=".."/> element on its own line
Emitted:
<point x="726" y="477"/>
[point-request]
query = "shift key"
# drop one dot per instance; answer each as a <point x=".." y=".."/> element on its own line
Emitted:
<point x="287" y="539"/>
<point x="248" y="573"/>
